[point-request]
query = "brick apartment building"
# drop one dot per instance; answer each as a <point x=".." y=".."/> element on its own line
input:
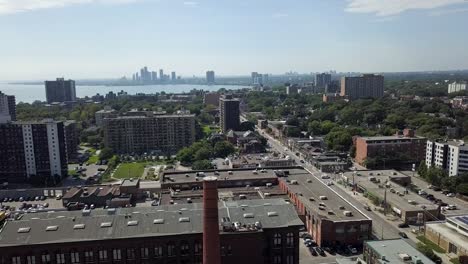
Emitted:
<point x="398" y="150"/>
<point x="139" y="134"/>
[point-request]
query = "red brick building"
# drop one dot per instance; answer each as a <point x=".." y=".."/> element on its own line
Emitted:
<point x="398" y="150"/>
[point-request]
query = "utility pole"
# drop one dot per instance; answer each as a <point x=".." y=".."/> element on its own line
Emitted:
<point x="385" y="202"/>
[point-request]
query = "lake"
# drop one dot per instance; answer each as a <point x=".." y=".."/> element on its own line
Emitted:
<point x="30" y="93"/>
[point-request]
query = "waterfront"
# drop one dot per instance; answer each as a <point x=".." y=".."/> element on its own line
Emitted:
<point x="30" y="93"/>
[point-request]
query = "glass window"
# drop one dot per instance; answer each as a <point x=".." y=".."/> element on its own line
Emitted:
<point x="31" y="259"/>
<point x="102" y="255"/>
<point x="290" y="259"/>
<point x="75" y="257"/>
<point x="170" y="250"/>
<point x="130" y="253"/>
<point x="45" y="258"/>
<point x="277" y="240"/>
<point x="184" y="248"/>
<point x="144" y="252"/>
<point x="16" y="260"/>
<point x="277" y="259"/>
<point x="158" y="251"/>
<point x="60" y="258"/>
<point x="289" y="240"/>
<point x="198" y="248"/>
<point x="89" y="256"/>
<point x="116" y="254"/>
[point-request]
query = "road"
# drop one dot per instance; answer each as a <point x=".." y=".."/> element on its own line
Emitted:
<point x="380" y="227"/>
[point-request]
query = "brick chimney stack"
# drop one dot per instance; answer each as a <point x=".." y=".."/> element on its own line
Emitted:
<point x="211" y="244"/>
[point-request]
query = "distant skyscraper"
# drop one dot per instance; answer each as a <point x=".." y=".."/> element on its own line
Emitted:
<point x="365" y="86"/>
<point x="258" y="78"/>
<point x="322" y="80"/>
<point x="229" y="113"/>
<point x="7" y="108"/>
<point x="210" y="77"/>
<point x="173" y="76"/>
<point x="154" y="76"/>
<point x="161" y="75"/>
<point x="60" y="90"/>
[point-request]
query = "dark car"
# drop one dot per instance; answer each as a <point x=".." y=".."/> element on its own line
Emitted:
<point x="320" y="251"/>
<point x="445" y="192"/>
<point x="330" y="250"/>
<point x="437" y="189"/>
<point x="313" y="252"/>
<point x="403" y="235"/>
<point x="403" y="225"/>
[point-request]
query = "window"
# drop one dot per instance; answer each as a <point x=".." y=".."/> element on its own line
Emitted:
<point x="290" y="240"/>
<point x="229" y="250"/>
<point x="16" y="260"/>
<point x="102" y="255"/>
<point x="184" y="248"/>
<point x="198" y="248"/>
<point x="277" y="259"/>
<point x="45" y="258"/>
<point x="144" y="252"/>
<point x="223" y="250"/>
<point x="158" y="251"/>
<point x="75" y="257"/>
<point x="364" y="228"/>
<point x="130" y="253"/>
<point x="116" y="254"/>
<point x="277" y="240"/>
<point x="290" y="259"/>
<point x="31" y="259"/>
<point x="89" y="256"/>
<point x="170" y="250"/>
<point x="60" y="258"/>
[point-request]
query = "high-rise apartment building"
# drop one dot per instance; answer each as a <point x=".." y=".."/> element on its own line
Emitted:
<point x="165" y="134"/>
<point x="72" y="138"/>
<point x="211" y="99"/>
<point x="322" y="80"/>
<point x="173" y="76"/>
<point x="210" y="77"/>
<point x="60" y="90"/>
<point x="32" y="151"/>
<point x="452" y="156"/>
<point x="7" y="108"/>
<point x="161" y="75"/>
<point x="365" y="86"/>
<point x="457" y="87"/>
<point x="154" y="76"/>
<point x="229" y="113"/>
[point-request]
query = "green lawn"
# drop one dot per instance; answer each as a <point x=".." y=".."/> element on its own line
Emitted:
<point x="431" y="244"/>
<point x="93" y="159"/>
<point x="208" y="129"/>
<point x="455" y="261"/>
<point x="130" y="170"/>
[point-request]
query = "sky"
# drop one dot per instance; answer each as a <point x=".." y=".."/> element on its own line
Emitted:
<point x="44" y="39"/>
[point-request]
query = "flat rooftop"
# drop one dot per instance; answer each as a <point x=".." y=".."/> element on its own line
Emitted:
<point x="397" y="195"/>
<point x="385" y="138"/>
<point x="229" y="175"/>
<point x="395" y="249"/>
<point x="450" y="233"/>
<point x="315" y="189"/>
<point x="102" y="224"/>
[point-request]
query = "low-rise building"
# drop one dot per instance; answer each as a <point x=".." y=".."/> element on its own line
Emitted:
<point x="460" y="102"/>
<point x="451" y="235"/>
<point x="107" y="112"/>
<point x="392" y="251"/>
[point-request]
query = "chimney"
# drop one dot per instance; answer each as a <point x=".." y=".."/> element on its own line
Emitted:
<point x="211" y="244"/>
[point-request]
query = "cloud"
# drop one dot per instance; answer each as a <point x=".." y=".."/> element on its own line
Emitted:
<point x="394" y="7"/>
<point x="190" y="3"/>
<point x="448" y="12"/>
<point x="15" y="6"/>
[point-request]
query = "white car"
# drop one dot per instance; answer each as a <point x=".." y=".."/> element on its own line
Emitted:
<point x="325" y="176"/>
<point x="450" y="195"/>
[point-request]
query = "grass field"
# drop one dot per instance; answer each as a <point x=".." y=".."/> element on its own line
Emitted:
<point x="208" y="129"/>
<point x="431" y="244"/>
<point x="455" y="261"/>
<point x="130" y="170"/>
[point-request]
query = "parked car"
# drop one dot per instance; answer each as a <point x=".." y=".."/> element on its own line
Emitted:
<point x="403" y="234"/>
<point x="312" y="251"/>
<point x="320" y="251"/>
<point x="352" y="249"/>
<point x="450" y="195"/>
<point x="403" y="225"/>
<point x="367" y="208"/>
<point x="435" y="188"/>
<point x="330" y="250"/>
<point x="445" y="192"/>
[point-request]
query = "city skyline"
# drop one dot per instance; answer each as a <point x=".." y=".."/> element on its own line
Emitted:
<point x="203" y="35"/>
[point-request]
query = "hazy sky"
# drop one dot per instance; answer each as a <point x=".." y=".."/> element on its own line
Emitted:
<point x="43" y="39"/>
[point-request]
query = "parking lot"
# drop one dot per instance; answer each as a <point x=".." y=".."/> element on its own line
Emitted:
<point x="306" y="257"/>
<point x="41" y="204"/>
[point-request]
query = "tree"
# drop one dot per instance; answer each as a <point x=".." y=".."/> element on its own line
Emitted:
<point x="202" y="165"/>
<point x="106" y="153"/>
<point x="428" y="252"/>
<point x="202" y="154"/>
<point x="422" y="169"/>
<point x="462" y="189"/>
<point x="247" y="126"/>
<point x="223" y="149"/>
<point x="185" y="155"/>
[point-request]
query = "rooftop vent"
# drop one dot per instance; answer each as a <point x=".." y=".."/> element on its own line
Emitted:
<point x="267" y="204"/>
<point x="184" y="219"/>
<point x="132" y="223"/>
<point x="106" y="224"/>
<point x="111" y="211"/>
<point x="270" y="214"/>
<point x="248" y="215"/>
<point x="24" y="230"/>
<point x="52" y="228"/>
<point x="158" y="221"/>
<point x="79" y="226"/>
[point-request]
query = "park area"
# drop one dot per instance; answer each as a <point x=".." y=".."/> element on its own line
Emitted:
<point x="134" y="169"/>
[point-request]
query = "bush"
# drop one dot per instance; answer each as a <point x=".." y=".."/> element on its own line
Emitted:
<point x="202" y="165"/>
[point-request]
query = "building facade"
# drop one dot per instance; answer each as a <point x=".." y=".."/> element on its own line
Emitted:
<point x="107" y="112"/>
<point x="211" y="99"/>
<point x="396" y="150"/>
<point x="229" y="113"/>
<point x="165" y="134"/>
<point x="72" y="138"/>
<point x="452" y="156"/>
<point x="210" y="77"/>
<point x="60" y="90"/>
<point x="365" y="86"/>
<point x="7" y="108"/>
<point x="32" y="151"/>
<point x="457" y="87"/>
<point x="322" y="80"/>
<point x="451" y="235"/>
<point x="392" y="251"/>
